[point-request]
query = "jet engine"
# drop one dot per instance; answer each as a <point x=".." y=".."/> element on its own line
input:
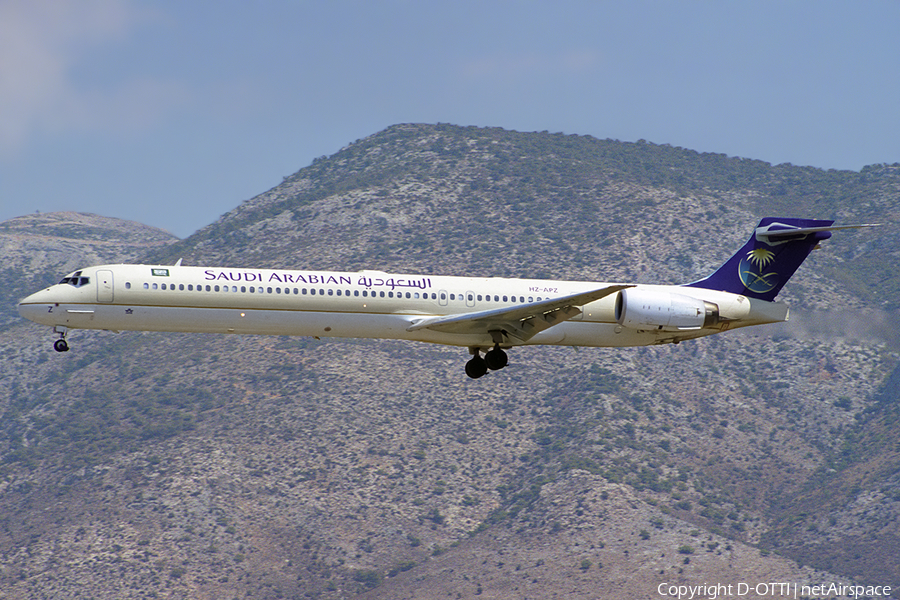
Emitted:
<point x="639" y="308"/>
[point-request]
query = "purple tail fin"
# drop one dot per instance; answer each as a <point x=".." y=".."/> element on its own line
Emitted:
<point x="769" y="258"/>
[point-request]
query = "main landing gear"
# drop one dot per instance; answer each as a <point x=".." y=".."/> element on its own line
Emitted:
<point x="494" y="359"/>
<point x="61" y="345"/>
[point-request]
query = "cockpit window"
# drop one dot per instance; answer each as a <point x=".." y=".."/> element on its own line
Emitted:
<point x="76" y="280"/>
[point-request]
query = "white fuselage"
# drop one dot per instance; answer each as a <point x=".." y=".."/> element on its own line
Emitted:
<point x="366" y="304"/>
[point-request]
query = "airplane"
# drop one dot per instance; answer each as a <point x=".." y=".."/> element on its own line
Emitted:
<point x="488" y="315"/>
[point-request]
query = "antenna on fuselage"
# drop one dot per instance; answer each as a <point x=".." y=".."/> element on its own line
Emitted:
<point x="178" y="264"/>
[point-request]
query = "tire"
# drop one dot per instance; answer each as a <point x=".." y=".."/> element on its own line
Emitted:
<point x="476" y="367"/>
<point x="496" y="359"/>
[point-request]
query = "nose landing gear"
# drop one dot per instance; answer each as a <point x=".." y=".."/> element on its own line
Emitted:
<point x="61" y="345"/>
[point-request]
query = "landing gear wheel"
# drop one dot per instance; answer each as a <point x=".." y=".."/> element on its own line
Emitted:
<point x="496" y="358"/>
<point x="61" y="346"/>
<point x="476" y="367"/>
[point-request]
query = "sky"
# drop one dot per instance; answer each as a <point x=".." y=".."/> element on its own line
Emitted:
<point x="172" y="113"/>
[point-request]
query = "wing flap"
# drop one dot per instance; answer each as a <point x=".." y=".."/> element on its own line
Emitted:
<point x="522" y="321"/>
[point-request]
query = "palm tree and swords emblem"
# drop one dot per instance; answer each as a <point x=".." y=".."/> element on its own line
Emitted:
<point x="751" y="272"/>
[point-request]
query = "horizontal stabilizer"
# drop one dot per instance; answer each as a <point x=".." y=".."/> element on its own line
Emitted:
<point x="775" y="233"/>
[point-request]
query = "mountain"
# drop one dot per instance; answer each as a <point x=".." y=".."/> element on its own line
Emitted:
<point x="199" y="466"/>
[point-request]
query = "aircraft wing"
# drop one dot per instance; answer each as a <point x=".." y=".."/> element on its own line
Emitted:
<point x="522" y="321"/>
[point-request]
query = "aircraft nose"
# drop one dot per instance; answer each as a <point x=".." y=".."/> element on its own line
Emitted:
<point x="31" y="308"/>
<point x="25" y="307"/>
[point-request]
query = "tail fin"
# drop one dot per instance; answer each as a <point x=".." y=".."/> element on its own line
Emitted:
<point x="773" y="253"/>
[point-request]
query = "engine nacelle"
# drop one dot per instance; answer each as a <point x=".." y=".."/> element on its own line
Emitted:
<point x="638" y="308"/>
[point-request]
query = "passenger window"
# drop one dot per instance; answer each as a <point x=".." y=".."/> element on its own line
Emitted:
<point x="127" y="285"/>
<point x="382" y="294"/>
<point x="443" y="296"/>
<point x="408" y="295"/>
<point x="146" y="286"/>
<point x="330" y="292"/>
<point x="244" y="288"/>
<point x="497" y="298"/>
<point x="296" y="291"/>
<point x="181" y="286"/>
<point x="416" y="295"/>
<point x="252" y="289"/>
<point x="339" y="292"/>
<point x="216" y="288"/>
<point x="504" y="298"/>
<point x="356" y="292"/>
<point x="154" y="286"/>
<point x="479" y="297"/>
<point x="471" y="297"/>
<point x="521" y="298"/>
<point x="530" y="299"/>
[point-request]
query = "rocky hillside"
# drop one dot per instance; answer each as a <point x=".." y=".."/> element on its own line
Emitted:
<point x="209" y="466"/>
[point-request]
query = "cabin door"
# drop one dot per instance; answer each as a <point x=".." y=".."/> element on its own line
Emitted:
<point x="104" y="286"/>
